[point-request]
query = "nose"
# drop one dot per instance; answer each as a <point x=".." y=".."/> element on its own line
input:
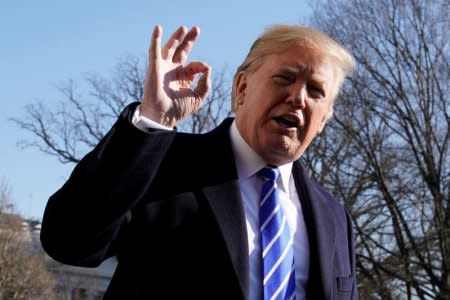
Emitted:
<point x="297" y="97"/>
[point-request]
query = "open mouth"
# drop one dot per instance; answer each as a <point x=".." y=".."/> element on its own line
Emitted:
<point x="288" y="121"/>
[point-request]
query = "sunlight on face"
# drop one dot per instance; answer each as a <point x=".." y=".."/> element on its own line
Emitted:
<point x="284" y="103"/>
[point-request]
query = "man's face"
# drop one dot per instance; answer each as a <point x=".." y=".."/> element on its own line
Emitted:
<point x="284" y="103"/>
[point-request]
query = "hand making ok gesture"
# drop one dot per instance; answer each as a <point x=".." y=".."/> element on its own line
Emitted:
<point x="168" y="94"/>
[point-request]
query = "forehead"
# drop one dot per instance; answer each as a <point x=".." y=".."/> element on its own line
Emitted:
<point x="302" y="59"/>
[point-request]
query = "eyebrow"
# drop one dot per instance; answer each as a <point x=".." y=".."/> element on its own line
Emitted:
<point x="294" y="69"/>
<point x="318" y="80"/>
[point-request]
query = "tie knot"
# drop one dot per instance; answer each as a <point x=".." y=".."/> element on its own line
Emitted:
<point x="269" y="173"/>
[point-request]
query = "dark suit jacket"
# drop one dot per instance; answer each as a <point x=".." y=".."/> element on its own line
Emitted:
<point x="168" y="206"/>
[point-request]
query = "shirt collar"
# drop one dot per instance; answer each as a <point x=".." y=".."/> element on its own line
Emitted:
<point x="248" y="162"/>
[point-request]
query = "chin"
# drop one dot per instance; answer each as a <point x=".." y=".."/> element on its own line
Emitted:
<point x="279" y="149"/>
<point x="277" y="157"/>
<point x="279" y="161"/>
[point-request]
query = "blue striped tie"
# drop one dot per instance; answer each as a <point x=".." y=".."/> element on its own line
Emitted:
<point x="276" y="241"/>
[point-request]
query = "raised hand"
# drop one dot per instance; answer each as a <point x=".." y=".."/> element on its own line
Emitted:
<point x="168" y="93"/>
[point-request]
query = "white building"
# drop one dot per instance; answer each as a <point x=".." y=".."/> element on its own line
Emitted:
<point x="72" y="283"/>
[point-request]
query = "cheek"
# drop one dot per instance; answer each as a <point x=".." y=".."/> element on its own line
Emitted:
<point x="316" y="115"/>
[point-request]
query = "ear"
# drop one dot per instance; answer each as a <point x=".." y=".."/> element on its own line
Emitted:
<point x="241" y="87"/>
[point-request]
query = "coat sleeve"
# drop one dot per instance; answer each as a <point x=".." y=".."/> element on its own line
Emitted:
<point x="83" y="220"/>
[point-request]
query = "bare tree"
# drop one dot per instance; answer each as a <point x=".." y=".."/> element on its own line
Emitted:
<point x="79" y="120"/>
<point x="386" y="153"/>
<point x="23" y="272"/>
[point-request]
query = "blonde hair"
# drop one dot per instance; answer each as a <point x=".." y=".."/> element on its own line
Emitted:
<point x="277" y="38"/>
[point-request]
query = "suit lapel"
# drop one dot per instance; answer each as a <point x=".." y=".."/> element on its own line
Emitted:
<point x="225" y="202"/>
<point x="320" y="223"/>
<point x="223" y="195"/>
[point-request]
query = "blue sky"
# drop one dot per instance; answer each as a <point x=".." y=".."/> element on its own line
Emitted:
<point x="44" y="43"/>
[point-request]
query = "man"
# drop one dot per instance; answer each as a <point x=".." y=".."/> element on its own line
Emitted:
<point x="230" y="214"/>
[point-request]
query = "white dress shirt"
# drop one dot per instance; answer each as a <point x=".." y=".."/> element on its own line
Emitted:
<point x="248" y="163"/>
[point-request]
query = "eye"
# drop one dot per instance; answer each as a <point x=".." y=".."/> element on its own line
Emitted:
<point x="316" y="91"/>
<point x="284" y="78"/>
